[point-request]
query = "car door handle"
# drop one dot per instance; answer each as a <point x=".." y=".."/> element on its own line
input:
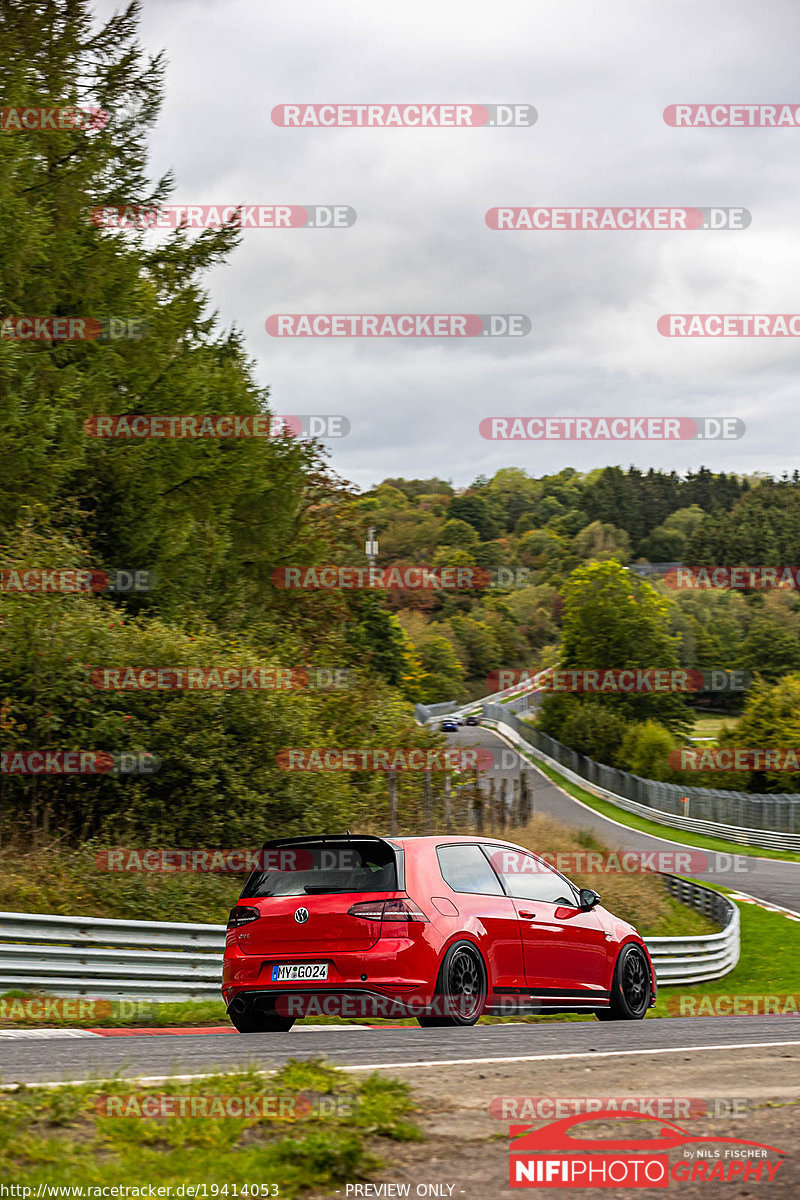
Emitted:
<point x="531" y="916"/>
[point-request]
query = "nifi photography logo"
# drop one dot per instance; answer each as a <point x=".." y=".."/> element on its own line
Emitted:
<point x="553" y="1157"/>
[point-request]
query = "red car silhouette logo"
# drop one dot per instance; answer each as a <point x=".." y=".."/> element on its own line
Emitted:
<point x="556" y="1136"/>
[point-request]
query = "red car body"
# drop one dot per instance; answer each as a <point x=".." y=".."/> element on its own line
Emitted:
<point x="388" y="937"/>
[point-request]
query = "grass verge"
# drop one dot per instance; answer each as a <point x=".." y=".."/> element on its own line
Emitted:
<point x="58" y="1136"/>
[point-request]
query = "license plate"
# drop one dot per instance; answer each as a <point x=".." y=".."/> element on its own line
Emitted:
<point x="299" y="971"/>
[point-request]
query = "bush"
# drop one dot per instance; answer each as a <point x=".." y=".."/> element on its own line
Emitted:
<point x="645" y="751"/>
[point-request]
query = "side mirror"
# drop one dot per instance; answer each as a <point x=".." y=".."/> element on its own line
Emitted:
<point x="588" y="899"/>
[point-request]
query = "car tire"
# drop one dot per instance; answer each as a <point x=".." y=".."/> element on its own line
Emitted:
<point x="461" y="988"/>
<point x="630" y="987"/>
<point x="251" y="1021"/>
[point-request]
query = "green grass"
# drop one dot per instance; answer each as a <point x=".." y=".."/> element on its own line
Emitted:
<point x="634" y="821"/>
<point x="57" y="1136"/>
<point x="123" y="1014"/>
<point x="709" y="725"/>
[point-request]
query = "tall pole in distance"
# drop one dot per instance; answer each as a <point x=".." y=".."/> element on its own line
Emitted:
<point x="371" y="547"/>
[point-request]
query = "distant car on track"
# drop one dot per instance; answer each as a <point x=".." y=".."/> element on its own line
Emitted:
<point x="472" y="720"/>
<point x="448" y="725"/>
<point x="441" y="928"/>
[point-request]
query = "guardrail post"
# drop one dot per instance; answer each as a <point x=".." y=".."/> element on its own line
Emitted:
<point x="428" y="802"/>
<point x="525" y="803"/>
<point x="502" y="806"/>
<point x="391" y="778"/>
<point x="448" y="803"/>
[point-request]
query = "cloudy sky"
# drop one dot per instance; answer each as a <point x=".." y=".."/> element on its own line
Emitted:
<point x="599" y="76"/>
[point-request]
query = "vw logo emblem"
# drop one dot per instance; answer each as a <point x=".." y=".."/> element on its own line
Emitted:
<point x="301" y="916"/>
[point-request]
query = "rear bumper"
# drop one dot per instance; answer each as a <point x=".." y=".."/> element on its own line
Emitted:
<point x="393" y="967"/>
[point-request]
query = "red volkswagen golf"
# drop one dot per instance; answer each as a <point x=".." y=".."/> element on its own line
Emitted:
<point x="439" y="928"/>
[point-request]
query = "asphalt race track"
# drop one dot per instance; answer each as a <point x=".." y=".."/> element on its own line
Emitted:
<point x="36" y="1060"/>
<point x="773" y="880"/>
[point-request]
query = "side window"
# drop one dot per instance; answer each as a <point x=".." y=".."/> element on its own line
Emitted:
<point x="465" y="869"/>
<point x="529" y="878"/>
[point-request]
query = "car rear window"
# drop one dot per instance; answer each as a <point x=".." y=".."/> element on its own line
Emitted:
<point x="319" y="868"/>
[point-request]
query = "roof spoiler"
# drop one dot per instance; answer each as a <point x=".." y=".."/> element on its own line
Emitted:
<point x="275" y="843"/>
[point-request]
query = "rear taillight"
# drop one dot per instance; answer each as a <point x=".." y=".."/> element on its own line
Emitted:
<point x="242" y="916"/>
<point x="388" y="910"/>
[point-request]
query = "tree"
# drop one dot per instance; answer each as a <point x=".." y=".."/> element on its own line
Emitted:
<point x="770" y="650"/>
<point x="212" y="518"/>
<point x="515" y="491"/>
<point x="480" y="513"/>
<point x="771" y="719"/>
<point x="588" y="728"/>
<point x="613" y="620"/>
<point x="645" y="751"/>
<point x="668" y="541"/>
<point x="458" y="533"/>
<point x="599" y="542"/>
<point x="483" y="653"/>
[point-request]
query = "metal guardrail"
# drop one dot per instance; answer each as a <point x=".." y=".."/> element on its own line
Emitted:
<point x="151" y="960"/>
<point x="424" y="712"/>
<point x="698" y="959"/>
<point x="116" y="960"/>
<point x="778" y="816"/>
